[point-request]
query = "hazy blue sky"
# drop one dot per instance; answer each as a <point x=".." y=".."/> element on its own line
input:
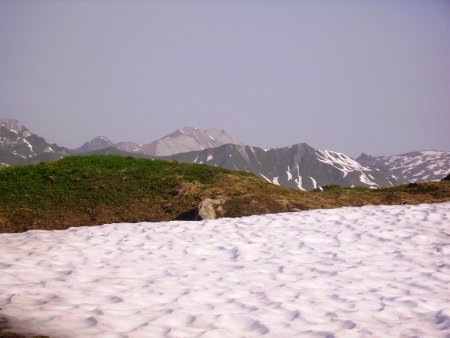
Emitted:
<point x="350" y="75"/>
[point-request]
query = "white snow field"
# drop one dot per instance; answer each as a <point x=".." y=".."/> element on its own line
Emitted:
<point x="353" y="272"/>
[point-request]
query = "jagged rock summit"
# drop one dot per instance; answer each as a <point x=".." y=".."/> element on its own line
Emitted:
<point x="97" y="143"/>
<point x="15" y="127"/>
<point x="20" y="145"/>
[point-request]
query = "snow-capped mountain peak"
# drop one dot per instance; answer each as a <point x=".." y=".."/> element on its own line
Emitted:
<point x="13" y="126"/>
<point x="415" y="166"/>
<point x="18" y="144"/>
<point x="186" y="139"/>
<point x="180" y="141"/>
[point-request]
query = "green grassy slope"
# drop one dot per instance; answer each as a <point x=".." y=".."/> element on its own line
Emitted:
<point x="87" y="190"/>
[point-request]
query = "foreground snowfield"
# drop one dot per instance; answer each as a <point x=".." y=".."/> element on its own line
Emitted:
<point x="352" y="272"/>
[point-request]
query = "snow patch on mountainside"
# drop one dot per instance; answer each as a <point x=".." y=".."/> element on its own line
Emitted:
<point x="314" y="182"/>
<point x="364" y="179"/>
<point x="347" y="165"/>
<point x="299" y="179"/>
<point x="268" y="180"/>
<point x="340" y="161"/>
<point x="24" y="140"/>
<point x="289" y="174"/>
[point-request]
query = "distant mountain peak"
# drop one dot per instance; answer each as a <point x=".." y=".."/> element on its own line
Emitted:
<point x="363" y="157"/>
<point x="20" y="145"/>
<point x="188" y="139"/>
<point x="13" y="125"/>
<point x="188" y="130"/>
<point x="97" y="143"/>
<point x="416" y="166"/>
<point x="180" y="141"/>
<point x="193" y="131"/>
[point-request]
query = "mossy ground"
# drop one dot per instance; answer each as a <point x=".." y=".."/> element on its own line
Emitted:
<point x="89" y="190"/>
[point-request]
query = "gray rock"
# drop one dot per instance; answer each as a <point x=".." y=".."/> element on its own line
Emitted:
<point x="210" y="208"/>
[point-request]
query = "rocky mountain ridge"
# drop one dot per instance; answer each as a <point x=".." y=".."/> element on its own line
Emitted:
<point x="180" y="141"/>
<point x="298" y="166"/>
<point x="417" y="166"/>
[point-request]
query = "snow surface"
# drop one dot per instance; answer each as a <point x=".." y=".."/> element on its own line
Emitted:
<point x="353" y="272"/>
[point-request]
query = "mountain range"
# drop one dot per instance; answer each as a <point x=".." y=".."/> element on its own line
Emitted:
<point x="298" y="166"/>
<point x="180" y="141"/>
<point x="417" y="166"/>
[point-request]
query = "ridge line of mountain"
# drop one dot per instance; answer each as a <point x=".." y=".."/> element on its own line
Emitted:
<point x="298" y="166"/>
